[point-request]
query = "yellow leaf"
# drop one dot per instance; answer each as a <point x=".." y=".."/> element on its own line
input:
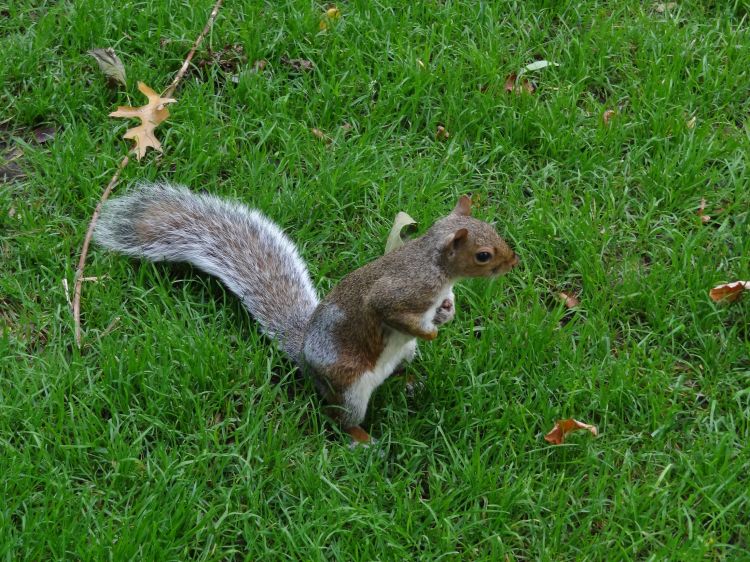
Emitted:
<point x="331" y="14"/>
<point x="151" y="115"/>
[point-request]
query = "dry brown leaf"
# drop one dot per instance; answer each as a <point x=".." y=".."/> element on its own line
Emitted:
<point x="704" y="217"/>
<point x="110" y="64"/>
<point x="512" y="84"/>
<point x="299" y="65"/>
<point x="442" y="133"/>
<point x="151" y="115"/>
<point x="729" y="292"/>
<point x="259" y="65"/>
<point x="563" y="427"/>
<point x="568" y="299"/>
<point x="608" y="115"/>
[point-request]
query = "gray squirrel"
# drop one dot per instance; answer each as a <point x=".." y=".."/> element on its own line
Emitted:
<point x="351" y="340"/>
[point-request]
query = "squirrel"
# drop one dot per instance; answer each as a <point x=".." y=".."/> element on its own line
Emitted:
<point x="365" y="328"/>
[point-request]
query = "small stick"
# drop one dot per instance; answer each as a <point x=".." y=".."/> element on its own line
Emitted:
<point x="173" y="86"/>
<point x="85" y="250"/>
<point x="79" y="279"/>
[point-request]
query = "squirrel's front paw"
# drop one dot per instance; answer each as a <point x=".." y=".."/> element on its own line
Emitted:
<point x="444" y="313"/>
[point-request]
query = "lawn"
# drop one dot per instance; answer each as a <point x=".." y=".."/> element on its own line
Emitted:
<point x="179" y="432"/>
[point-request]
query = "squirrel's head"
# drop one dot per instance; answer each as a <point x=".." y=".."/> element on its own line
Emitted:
<point x="472" y="248"/>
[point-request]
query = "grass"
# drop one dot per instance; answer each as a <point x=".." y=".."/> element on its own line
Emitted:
<point x="179" y="432"/>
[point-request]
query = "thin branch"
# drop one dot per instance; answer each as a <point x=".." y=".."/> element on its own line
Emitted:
<point x="79" y="278"/>
<point x="183" y="69"/>
<point x="85" y="251"/>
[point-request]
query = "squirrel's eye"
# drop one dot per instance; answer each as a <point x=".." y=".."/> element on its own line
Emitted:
<point x="483" y="257"/>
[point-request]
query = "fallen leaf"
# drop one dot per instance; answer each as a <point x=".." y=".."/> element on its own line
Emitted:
<point x="568" y="299"/>
<point x="563" y="427"/>
<point x="704" y="217"/>
<point x="442" y="133"/>
<point x="691" y="122"/>
<point x="401" y="222"/>
<point x="110" y="64"/>
<point x="259" y="65"/>
<point x="151" y="115"/>
<point x="664" y="6"/>
<point x="608" y="115"/>
<point x="538" y="65"/>
<point x="515" y="84"/>
<point x="44" y="134"/>
<point x="320" y="134"/>
<point x="330" y="16"/>
<point x="421" y="64"/>
<point x="729" y="292"/>
<point x="346" y="127"/>
<point x="300" y="65"/>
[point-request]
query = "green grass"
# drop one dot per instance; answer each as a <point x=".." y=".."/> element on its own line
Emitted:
<point x="179" y="432"/>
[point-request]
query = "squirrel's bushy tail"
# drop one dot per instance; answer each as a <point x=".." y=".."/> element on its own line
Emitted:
<point x="240" y="246"/>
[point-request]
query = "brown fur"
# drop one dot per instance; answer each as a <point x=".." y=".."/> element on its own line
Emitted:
<point x="395" y="291"/>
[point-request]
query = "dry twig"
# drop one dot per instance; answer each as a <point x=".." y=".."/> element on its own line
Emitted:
<point x="85" y="251"/>
<point x="183" y="69"/>
<point x="79" y="278"/>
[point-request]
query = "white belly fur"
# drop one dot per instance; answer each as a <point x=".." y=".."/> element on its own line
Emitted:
<point x="398" y="347"/>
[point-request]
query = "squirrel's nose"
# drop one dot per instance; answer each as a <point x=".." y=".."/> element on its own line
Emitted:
<point x="514" y="260"/>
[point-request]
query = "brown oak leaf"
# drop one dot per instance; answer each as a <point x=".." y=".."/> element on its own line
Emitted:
<point x="151" y="115"/>
<point x="563" y="427"/>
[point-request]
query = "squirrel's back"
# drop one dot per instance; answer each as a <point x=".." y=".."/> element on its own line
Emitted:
<point x="240" y="246"/>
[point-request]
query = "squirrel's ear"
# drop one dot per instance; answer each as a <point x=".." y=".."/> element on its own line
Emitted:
<point x="455" y="239"/>
<point x="463" y="207"/>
